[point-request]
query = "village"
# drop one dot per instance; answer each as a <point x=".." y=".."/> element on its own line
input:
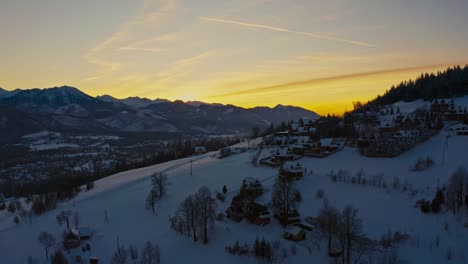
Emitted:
<point x="269" y="192"/>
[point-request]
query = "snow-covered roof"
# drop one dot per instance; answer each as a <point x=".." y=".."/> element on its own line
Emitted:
<point x="250" y="181"/>
<point x="293" y="230"/>
<point x="292" y="167"/>
<point x="84" y="231"/>
<point x="74" y="231"/>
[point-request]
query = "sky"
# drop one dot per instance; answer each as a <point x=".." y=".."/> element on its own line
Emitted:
<point x="318" y="54"/>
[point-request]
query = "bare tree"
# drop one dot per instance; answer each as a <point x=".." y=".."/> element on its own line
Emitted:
<point x="120" y="256"/>
<point x="32" y="260"/>
<point x="390" y="258"/>
<point x="47" y="240"/>
<point x="350" y="228"/>
<point x="328" y="221"/>
<point x="133" y="252"/>
<point x="151" y="200"/>
<point x="150" y="254"/>
<point x="192" y="215"/>
<point x="158" y="189"/>
<point x="196" y="215"/>
<point x="159" y="181"/>
<point x="455" y="190"/>
<point x="207" y="206"/>
<point x="284" y="195"/>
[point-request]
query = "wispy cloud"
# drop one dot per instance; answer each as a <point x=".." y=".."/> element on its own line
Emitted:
<point x="141" y="49"/>
<point x="150" y="14"/>
<point x="318" y="36"/>
<point x="288" y="85"/>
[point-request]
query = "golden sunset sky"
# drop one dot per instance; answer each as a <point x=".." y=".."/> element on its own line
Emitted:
<point x="318" y="54"/>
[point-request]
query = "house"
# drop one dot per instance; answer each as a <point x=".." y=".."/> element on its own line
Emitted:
<point x="243" y="205"/>
<point x="84" y="233"/>
<point x="288" y="219"/>
<point x="225" y="152"/>
<point x="257" y="214"/>
<point x="251" y="188"/>
<point x="291" y="171"/>
<point x="200" y="150"/>
<point x="235" y="211"/>
<point x="294" y="233"/>
<point x="462" y="131"/>
<point x="71" y="239"/>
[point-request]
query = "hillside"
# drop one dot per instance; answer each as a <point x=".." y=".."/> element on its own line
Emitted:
<point x="450" y="83"/>
<point x="381" y="209"/>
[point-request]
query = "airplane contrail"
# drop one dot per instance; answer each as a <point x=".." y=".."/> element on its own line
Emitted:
<point x="319" y="36"/>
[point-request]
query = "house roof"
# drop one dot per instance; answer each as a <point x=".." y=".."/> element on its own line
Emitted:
<point x="292" y="167"/>
<point x="293" y="230"/>
<point x="84" y="231"/>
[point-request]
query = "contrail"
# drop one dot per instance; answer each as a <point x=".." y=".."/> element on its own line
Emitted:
<point x="353" y="42"/>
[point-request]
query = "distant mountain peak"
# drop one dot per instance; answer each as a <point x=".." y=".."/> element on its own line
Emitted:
<point x="53" y="97"/>
<point x="134" y="101"/>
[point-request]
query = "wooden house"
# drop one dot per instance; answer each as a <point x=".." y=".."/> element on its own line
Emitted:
<point x="251" y="188"/>
<point x="84" y="233"/>
<point x="291" y="171"/>
<point x="200" y="150"/>
<point x="71" y="239"/>
<point x="294" y="233"/>
<point x="257" y="214"/>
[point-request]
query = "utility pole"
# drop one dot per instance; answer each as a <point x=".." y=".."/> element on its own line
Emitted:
<point x="191" y="161"/>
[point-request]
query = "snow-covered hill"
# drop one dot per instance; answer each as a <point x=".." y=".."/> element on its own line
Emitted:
<point x="123" y="197"/>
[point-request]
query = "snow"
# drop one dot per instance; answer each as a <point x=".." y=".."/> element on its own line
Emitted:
<point x="52" y="146"/>
<point x="123" y="195"/>
<point x="293" y="230"/>
<point x="40" y="135"/>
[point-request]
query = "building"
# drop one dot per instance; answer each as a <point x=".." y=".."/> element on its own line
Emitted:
<point x="225" y="152"/>
<point x="291" y="171"/>
<point x="200" y="150"/>
<point x="84" y="233"/>
<point x="294" y="233"/>
<point x="71" y="239"/>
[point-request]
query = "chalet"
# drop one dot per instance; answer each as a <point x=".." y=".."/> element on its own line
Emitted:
<point x="235" y="211"/>
<point x="281" y="156"/>
<point x="288" y="219"/>
<point x="386" y="128"/>
<point x="462" y="131"/>
<point x="294" y="233"/>
<point x="71" y="239"/>
<point x="251" y="188"/>
<point x="225" y="152"/>
<point x="84" y="233"/>
<point x="291" y="171"/>
<point x="439" y="106"/>
<point x="200" y="150"/>
<point x="243" y="207"/>
<point x="257" y="214"/>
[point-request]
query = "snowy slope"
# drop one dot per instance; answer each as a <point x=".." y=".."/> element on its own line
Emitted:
<point x="122" y="196"/>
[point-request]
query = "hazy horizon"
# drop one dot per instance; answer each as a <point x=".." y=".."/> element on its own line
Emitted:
<point x="314" y="54"/>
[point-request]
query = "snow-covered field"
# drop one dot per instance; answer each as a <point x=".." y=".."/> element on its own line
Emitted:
<point x="123" y="197"/>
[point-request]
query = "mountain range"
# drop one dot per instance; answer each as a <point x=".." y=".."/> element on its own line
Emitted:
<point x="67" y="109"/>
